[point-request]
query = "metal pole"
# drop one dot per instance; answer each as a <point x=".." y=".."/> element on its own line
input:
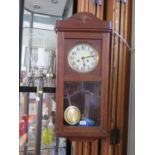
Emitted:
<point x="27" y="114"/>
<point x="39" y="116"/>
<point x="26" y="128"/>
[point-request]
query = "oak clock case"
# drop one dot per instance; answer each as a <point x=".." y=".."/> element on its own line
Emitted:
<point x="82" y="76"/>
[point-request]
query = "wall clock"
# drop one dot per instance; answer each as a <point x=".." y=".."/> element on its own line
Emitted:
<point x="82" y="81"/>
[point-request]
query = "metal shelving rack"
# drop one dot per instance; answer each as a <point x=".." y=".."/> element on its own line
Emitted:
<point x="31" y="88"/>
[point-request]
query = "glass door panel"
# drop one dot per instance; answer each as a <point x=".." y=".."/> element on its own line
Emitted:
<point x="82" y="103"/>
<point x="50" y="144"/>
<point x="38" y="52"/>
<point x="37" y="58"/>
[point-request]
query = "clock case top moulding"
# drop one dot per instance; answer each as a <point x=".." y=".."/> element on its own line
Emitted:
<point x="84" y="19"/>
<point x="83" y="27"/>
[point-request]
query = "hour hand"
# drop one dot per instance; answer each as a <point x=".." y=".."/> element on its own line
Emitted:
<point x="83" y="61"/>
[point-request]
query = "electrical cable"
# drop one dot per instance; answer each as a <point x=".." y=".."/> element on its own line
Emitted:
<point x="124" y="41"/>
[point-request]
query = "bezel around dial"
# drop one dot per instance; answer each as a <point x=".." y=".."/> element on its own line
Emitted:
<point x="83" y="58"/>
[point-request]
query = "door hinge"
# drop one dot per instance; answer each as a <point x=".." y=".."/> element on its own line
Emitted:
<point x="114" y="136"/>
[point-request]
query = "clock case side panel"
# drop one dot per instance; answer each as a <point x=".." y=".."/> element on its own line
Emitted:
<point x="106" y="79"/>
<point x="59" y="81"/>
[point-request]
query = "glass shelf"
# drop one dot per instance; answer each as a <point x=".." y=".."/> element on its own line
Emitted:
<point x="38" y="51"/>
<point x="28" y="116"/>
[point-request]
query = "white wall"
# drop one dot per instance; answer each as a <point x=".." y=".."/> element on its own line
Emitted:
<point x="131" y="123"/>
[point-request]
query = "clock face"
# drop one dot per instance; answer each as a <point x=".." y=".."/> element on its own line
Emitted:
<point x="83" y="58"/>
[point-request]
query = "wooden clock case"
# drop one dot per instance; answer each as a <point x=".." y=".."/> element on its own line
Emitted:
<point x="83" y="27"/>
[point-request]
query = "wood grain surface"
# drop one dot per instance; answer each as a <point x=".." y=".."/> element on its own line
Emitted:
<point x="120" y="15"/>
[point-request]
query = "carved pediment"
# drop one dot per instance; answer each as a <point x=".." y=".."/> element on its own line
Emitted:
<point x="83" y="22"/>
<point x="84" y="18"/>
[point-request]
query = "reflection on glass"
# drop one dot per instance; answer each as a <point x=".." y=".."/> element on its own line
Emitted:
<point x="50" y="144"/>
<point x="44" y="22"/>
<point x="83" y="97"/>
<point x="38" y="53"/>
<point x="38" y="56"/>
<point x="27" y="18"/>
<point x="28" y="120"/>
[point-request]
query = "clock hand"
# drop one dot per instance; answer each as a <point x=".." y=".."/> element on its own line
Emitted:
<point x="88" y="56"/>
<point x="83" y="62"/>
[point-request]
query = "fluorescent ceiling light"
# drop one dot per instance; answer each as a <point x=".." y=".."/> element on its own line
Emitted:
<point x="36" y="6"/>
<point x="54" y="1"/>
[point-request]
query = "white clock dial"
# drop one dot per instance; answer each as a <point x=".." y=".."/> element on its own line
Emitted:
<point x="83" y="58"/>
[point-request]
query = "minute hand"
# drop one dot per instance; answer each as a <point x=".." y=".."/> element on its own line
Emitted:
<point x="89" y="56"/>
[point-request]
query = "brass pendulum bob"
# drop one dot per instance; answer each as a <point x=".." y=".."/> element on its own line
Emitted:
<point x="72" y="113"/>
